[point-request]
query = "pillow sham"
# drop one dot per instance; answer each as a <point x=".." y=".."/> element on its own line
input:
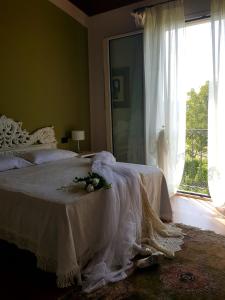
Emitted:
<point x="46" y="155"/>
<point x="12" y="162"/>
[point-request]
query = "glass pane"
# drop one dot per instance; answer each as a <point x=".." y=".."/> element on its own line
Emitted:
<point x="127" y="98"/>
<point x="197" y="76"/>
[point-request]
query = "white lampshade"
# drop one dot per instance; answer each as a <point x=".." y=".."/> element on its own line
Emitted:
<point x="78" y="135"/>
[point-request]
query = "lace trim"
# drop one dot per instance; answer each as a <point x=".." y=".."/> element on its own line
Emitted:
<point x="157" y="235"/>
<point x="168" y="245"/>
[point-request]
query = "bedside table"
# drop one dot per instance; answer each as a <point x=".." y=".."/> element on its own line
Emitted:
<point x="87" y="154"/>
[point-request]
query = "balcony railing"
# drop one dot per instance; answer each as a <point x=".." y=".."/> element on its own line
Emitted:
<point x="195" y="175"/>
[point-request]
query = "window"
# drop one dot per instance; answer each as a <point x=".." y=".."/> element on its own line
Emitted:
<point x="196" y="83"/>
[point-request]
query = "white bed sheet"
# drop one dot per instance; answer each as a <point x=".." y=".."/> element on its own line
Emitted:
<point x="63" y="228"/>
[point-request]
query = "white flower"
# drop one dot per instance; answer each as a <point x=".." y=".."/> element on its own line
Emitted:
<point x="90" y="188"/>
<point x="95" y="181"/>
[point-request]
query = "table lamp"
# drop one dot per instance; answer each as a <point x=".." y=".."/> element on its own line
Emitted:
<point x="78" y="135"/>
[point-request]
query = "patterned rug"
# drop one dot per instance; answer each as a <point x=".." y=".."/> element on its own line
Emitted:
<point x="197" y="272"/>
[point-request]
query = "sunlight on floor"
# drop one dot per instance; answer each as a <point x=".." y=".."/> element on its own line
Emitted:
<point x="198" y="213"/>
<point x="221" y="220"/>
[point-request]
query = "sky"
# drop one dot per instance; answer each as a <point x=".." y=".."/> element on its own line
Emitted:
<point x="198" y="55"/>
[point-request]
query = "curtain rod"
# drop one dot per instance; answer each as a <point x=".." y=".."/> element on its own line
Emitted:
<point x="198" y="18"/>
<point x="139" y="9"/>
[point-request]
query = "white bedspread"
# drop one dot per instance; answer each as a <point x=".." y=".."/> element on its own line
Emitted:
<point x="63" y="228"/>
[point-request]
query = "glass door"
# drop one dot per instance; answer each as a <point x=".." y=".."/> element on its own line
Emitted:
<point x="127" y="98"/>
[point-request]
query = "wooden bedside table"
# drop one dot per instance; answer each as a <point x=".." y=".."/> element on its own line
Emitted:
<point x="87" y="154"/>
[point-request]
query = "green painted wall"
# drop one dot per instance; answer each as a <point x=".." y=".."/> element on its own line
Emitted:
<point x="44" y="68"/>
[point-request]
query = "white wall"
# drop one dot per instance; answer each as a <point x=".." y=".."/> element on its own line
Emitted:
<point x="115" y="22"/>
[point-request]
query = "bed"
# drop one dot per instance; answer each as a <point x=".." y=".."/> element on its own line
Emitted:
<point x="62" y="227"/>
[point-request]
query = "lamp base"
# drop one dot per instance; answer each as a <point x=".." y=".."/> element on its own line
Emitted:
<point x="78" y="147"/>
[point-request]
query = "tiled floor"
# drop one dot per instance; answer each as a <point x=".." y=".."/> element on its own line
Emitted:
<point x="198" y="213"/>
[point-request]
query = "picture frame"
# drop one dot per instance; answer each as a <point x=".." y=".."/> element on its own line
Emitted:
<point x="120" y="87"/>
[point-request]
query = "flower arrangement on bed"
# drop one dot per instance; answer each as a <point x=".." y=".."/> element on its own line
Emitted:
<point x="93" y="182"/>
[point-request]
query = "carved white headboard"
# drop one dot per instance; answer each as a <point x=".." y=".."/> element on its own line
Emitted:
<point x="13" y="138"/>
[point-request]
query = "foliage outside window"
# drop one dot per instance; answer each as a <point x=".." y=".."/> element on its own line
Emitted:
<point x="195" y="176"/>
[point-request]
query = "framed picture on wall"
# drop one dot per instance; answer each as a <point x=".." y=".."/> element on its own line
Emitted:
<point x="120" y="87"/>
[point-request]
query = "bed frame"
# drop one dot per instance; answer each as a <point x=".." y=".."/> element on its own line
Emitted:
<point x="15" y="139"/>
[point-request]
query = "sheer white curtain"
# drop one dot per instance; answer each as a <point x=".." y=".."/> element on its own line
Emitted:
<point x="216" y="113"/>
<point x="165" y="102"/>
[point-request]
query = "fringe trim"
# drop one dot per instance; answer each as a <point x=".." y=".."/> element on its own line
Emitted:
<point x="66" y="280"/>
<point x="44" y="263"/>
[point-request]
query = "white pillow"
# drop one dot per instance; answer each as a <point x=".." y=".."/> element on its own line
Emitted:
<point x="46" y="155"/>
<point x="12" y="162"/>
